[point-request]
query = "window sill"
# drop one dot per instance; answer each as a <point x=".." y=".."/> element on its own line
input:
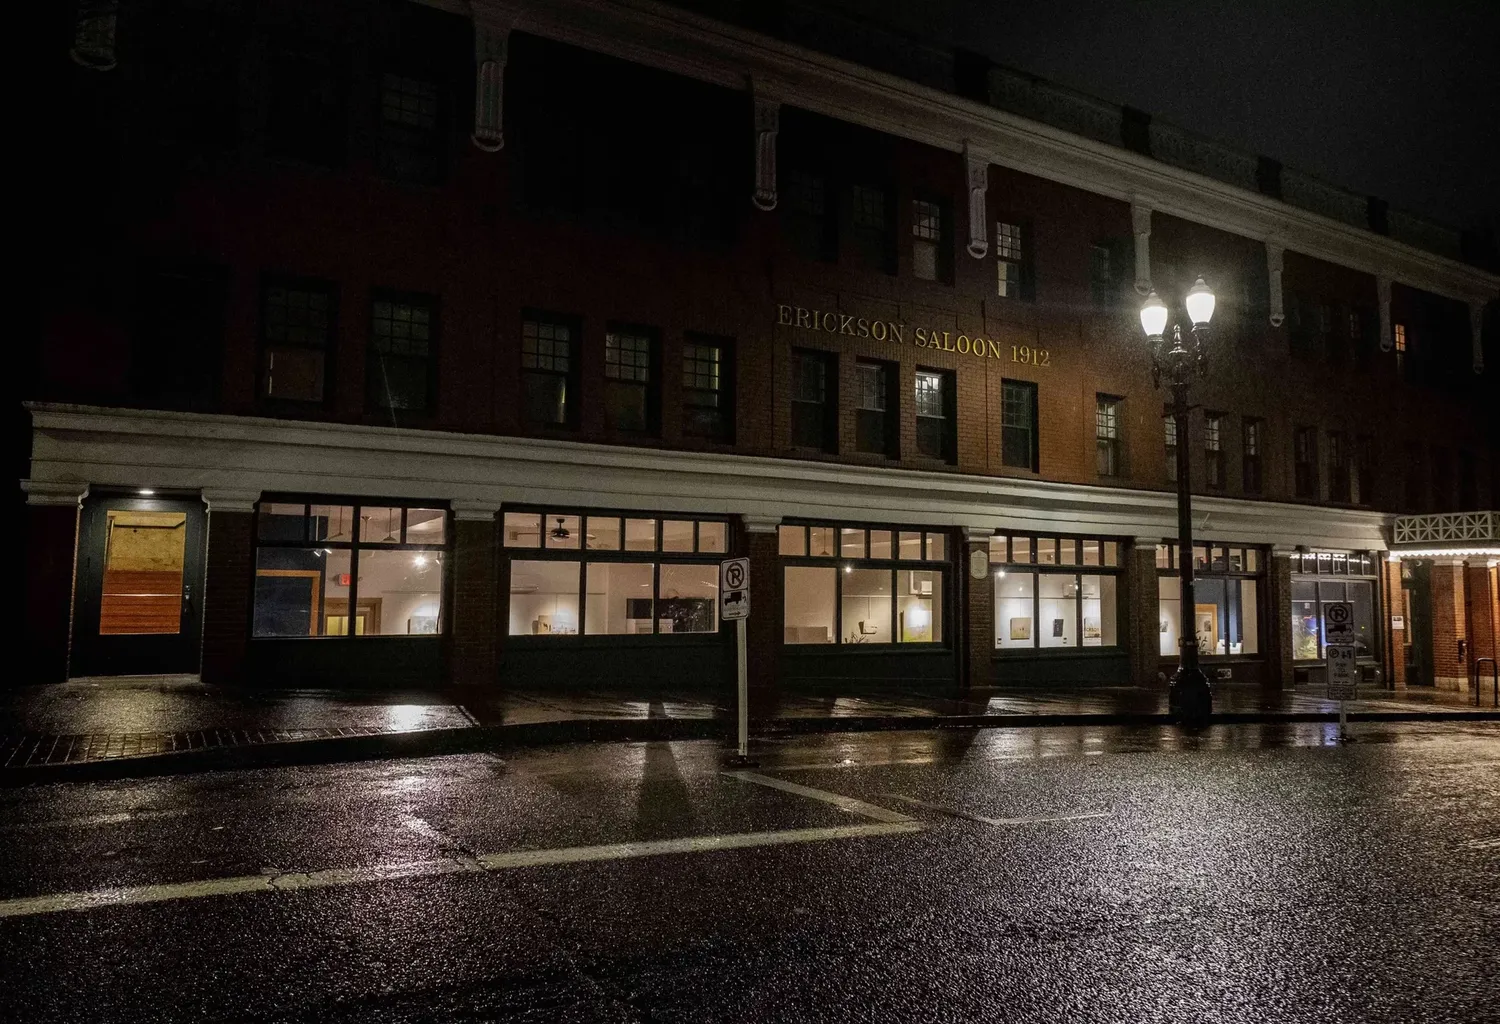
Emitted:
<point x="869" y="649"/>
<point x="1010" y="654"/>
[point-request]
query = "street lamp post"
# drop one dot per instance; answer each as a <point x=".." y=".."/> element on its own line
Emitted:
<point x="1190" y="700"/>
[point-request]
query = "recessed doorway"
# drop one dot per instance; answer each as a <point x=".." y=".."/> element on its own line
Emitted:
<point x="138" y="602"/>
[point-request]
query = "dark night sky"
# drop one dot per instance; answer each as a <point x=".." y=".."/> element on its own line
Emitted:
<point x="1395" y="98"/>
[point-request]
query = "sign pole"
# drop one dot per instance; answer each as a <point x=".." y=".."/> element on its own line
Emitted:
<point x="734" y="606"/>
<point x="744" y="694"/>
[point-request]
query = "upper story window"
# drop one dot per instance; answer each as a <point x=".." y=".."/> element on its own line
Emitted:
<point x="1400" y="340"/>
<point x="1010" y="260"/>
<point x="1213" y="450"/>
<point x="871" y="222"/>
<point x="1103" y="285"/>
<point x="1170" y="439"/>
<point x="1250" y="441"/>
<point x="708" y="387"/>
<point x="936" y="437"/>
<point x="1018" y="425"/>
<point x="612" y="573"/>
<point x="411" y="139"/>
<point x="1340" y="481"/>
<point x="1305" y="462"/>
<point x="931" y="259"/>
<point x="807" y="214"/>
<point x="403" y="336"/>
<point x="877" y="417"/>
<point x="629" y="379"/>
<point x="307" y="115"/>
<point x="329" y="568"/>
<point x="858" y="585"/>
<point x="814" y="400"/>
<point x="1107" y="415"/>
<point x="549" y="371"/>
<point x="296" y="332"/>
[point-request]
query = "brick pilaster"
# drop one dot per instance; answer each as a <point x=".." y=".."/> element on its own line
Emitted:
<point x="1142" y="605"/>
<point x="228" y="579"/>
<point x="51" y="543"/>
<point x="475" y="619"/>
<point x="1395" y="652"/>
<point x="1276" y="630"/>
<point x="980" y="594"/>
<point x="764" y="628"/>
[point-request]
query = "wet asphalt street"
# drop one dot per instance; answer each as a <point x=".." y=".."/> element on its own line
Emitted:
<point x="1254" y="873"/>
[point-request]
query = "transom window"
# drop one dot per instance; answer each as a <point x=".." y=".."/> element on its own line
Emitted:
<point x="324" y="568"/>
<point x="862" y="585"/>
<point x="612" y="573"/>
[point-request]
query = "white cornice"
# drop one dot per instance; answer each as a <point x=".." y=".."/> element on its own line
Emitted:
<point x="684" y="43"/>
<point x="188" y="451"/>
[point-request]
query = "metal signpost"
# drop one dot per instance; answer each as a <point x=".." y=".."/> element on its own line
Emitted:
<point x="1343" y="668"/>
<point x="734" y="606"/>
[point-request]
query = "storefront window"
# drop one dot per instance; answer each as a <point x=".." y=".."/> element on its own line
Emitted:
<point x="348" y="570"/>
<point x="862" y="595"/>
<point x="636" y="577"/>
<point x="1051" y="607"/>
<point x="1313" y="590"/>
<point x="1226" y="600"/>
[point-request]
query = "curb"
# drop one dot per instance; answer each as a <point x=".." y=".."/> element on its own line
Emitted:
<point x="474" y="739"/>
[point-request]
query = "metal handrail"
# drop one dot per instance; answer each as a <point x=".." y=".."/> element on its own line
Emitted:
<point x="1494" y="677"/>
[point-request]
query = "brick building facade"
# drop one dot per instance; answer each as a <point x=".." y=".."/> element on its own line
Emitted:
<point x="460" y="330"/>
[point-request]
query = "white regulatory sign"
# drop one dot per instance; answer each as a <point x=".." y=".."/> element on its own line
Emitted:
<point x="734" y="604"/>
<point x="1338" y="623"/>
<point x="1343" y="673"/>
<point x="734" y="574"/>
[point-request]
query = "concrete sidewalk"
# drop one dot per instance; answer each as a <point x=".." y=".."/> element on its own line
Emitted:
<point x="147" y="725"/>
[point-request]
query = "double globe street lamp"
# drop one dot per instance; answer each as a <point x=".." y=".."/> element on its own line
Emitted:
<point x="1190" y="700"/>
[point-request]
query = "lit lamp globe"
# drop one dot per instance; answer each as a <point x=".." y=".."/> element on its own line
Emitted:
<point x="1200" y="303"/>
<point x="1154" y="315"/>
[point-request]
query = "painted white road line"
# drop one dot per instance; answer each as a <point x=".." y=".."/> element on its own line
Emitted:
<point x="843" y="803"/>
<point x="1483" y="844"/>
<point x="956" y="813"/>
<point x="29" y="906"/>
<point x="1452" y="767"/>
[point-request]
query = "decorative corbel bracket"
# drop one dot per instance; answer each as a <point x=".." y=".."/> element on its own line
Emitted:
<point x="1275" y="262"/>
<point x="977" y="177"/>
<point x="492" y="30"/>
<point x="1140" y="225"/>
<point x="766" y="122"/>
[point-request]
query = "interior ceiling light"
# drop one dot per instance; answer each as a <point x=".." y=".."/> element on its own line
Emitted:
<point x="145" y="492"/>
<point x="560" y="532"/>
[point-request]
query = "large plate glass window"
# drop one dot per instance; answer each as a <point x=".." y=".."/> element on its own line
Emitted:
<point x="1226" y="598"/>
<point x="1323" y="577"/>
<point x="1055" y="592"/>
<point x="862" y="585"/>
<point x="603" y="573"/>
<point x="325" y="567"/>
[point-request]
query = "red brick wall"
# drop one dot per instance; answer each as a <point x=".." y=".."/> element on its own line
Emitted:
<point x="51" y="544"/>
<point x="1277" y="634"/>
<point x="226" y="596"/>
<point x="475" y="617"/>
<point x="764" y="631"/>
<point x="456" y="241"/>
<point x="1143" y="636"/>
<point x="980" y="597"/>
<point x="1449" y="671"/>
<point x="1483" y="630"/>
<point x="1394" y="596"/>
